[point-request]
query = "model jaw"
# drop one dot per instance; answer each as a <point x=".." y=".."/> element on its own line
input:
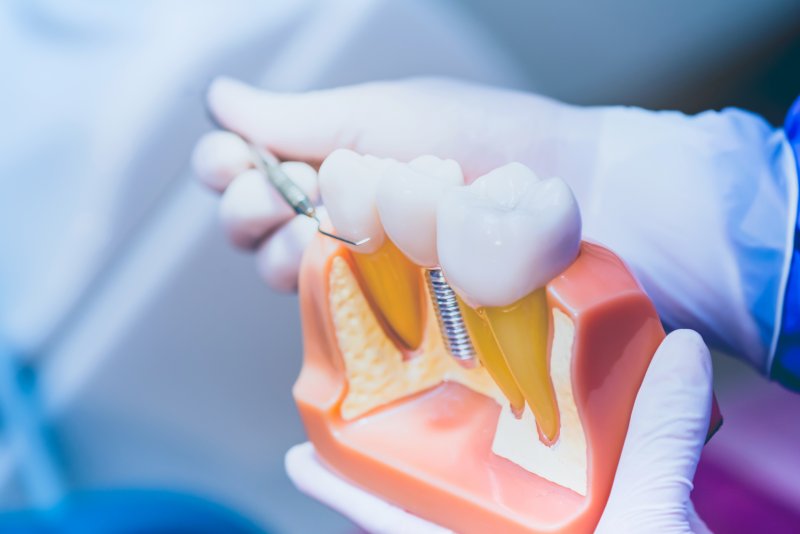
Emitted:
<point x="499" y="241"/>
<point x="379" y="377"/>
<point x="533" y="226"/>
<point x="438" y="440"/>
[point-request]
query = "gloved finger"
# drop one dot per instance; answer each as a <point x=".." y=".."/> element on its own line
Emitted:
<point x="667" y="430"/>
<point x="402" y="119"/>
<point x="219" y="157"/>
<point x="369" y="512"/>
<point x="278" y="258"/>
<point x="251" y="207"/>
<point x="480" y="127"/>
<point x="304" y="126"/>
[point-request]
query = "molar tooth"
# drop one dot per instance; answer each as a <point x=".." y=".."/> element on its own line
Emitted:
<point x="500" y="240"/>
<point x="393" y="285"/>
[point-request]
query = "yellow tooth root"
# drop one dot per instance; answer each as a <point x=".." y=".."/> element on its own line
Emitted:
<point x="491" y="357"/>
<point x="394" y="288"/>
<point x="521" y="331"/>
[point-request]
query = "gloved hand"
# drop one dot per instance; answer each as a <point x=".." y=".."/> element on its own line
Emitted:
<point x="654" y="477"/>
<point x="702" y="208"/>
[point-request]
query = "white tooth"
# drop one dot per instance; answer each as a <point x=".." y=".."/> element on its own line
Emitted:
<point x="347" y="183"/>
<point x="506" y="234"/>
<point x="407" y="197"/>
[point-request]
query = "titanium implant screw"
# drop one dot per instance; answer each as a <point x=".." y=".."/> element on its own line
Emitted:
<point x="451" y="323"/>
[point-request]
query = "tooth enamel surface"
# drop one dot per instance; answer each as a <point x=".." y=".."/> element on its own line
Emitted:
<point x="347" y="183"/>
<point x="506" y="235"/>
<point x="394" y="285"/>
<point x="407" y="198"/>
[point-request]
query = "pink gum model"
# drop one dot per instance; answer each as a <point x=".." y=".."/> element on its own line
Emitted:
<point x="430" y="453"/>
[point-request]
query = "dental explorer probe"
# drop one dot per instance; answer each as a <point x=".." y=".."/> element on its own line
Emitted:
<point x="270" y="167"/>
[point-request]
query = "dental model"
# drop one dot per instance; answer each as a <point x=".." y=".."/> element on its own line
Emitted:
<point x="529" y="440"/>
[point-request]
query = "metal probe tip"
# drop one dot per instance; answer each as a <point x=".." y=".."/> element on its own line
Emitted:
<point x="269" y="166"/>
<point x="337" y="237"/>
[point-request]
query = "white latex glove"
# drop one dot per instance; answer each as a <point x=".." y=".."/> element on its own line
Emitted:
<point x="701" y="207"/>
<point x="252" y="210"/>
<point x="654" y="477"/>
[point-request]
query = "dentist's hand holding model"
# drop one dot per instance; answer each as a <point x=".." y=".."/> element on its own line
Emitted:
<point x="702" y="208"/>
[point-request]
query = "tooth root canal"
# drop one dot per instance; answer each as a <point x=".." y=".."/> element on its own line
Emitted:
<point x="394" y="287"/>
<point x="521" y="331"/>
<point x="491" y="357"/>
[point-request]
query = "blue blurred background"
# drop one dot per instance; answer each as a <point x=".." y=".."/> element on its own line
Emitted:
<point x="147" y="351"/>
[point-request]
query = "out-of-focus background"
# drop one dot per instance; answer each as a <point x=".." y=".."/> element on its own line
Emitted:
<point x="152" y="354"/>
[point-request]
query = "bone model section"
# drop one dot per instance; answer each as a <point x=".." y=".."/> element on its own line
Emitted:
<point x="394" y="285"/>
<point x="379" y="377"/>
<point x="500" y="241"/>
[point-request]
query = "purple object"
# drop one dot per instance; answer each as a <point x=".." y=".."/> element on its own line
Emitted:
<point x="729" y="504"/>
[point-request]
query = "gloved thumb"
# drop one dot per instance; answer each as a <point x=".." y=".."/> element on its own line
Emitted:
<point x="305" y="126"/>
<point x="666" y="434"/>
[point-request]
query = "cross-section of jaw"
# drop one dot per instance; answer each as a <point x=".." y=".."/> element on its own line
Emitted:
<point x="392" y="284"/>
<point x="500" y="241"/>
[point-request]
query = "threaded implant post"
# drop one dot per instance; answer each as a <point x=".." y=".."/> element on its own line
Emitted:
<point x="451" y="322"/>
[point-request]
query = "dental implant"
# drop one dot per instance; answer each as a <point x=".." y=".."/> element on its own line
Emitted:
<point x="454" y="332"/>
